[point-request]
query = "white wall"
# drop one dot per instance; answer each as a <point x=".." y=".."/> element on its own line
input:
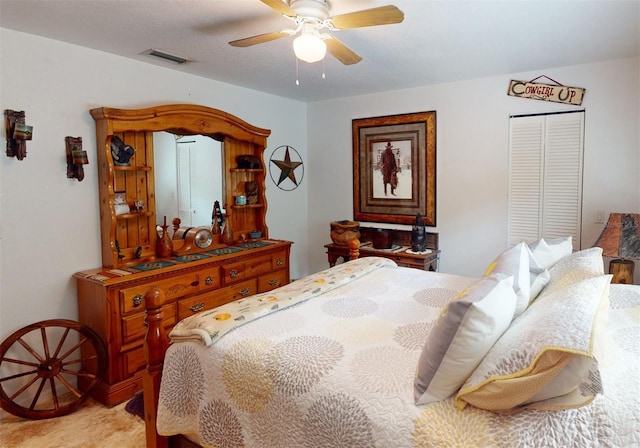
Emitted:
<point x="472" y="156"/>
<point x="50" y="224"/>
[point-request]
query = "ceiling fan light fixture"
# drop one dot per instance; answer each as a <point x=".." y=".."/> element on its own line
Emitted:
<point x="309" y="47"/>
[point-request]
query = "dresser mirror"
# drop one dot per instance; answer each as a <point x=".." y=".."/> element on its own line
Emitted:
<point x="129" y="239"/>
<point x="189" y="177"/>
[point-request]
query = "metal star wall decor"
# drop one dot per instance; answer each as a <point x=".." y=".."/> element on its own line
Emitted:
<point x="284" y="164"/>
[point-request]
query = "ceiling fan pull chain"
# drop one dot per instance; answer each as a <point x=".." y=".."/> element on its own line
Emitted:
<point x="297" y="81"/>
<point x="323" y="75"/>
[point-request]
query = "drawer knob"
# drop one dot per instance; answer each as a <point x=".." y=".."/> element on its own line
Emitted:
<point x="197" y="307"/>
<point x="137" y="300"/>
<point x="208" y="280"/>
<point x="245" y="292"/>
<point x="279" y="261"/>
<point x="273" y="282"/>
<point x="233" y="273"/>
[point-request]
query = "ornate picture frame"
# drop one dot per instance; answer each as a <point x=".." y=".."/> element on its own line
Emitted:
<point x="394" y="184"/>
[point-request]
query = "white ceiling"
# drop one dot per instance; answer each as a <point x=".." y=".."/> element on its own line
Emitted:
<point x="438" y="41"/>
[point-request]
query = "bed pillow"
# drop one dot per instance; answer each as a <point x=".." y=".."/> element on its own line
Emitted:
<point x="574" y="268"/>
<point x="462" y="335"/>
<point x="539" y="277"/>
<point x="547" y="359"/>
<point x="549" y="252"/>
<point x="528" y="277"/>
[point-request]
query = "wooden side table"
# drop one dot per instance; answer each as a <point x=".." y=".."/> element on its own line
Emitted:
<point x="401" y="242"/>
<point x="427" y="262"/>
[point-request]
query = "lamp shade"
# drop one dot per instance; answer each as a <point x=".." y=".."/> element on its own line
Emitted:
<point x="309" y="47"/>
<point x="621" y="236"/>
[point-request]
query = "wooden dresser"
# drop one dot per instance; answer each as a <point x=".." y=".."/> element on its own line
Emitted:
<point x="111" y="301"/>
<point x="199" y="275"/>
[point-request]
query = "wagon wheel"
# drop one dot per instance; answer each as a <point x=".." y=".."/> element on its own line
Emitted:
<point x="49" y="368"/>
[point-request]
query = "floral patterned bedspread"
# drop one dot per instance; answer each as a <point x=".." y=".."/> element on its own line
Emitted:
<point x="337" y="370"/>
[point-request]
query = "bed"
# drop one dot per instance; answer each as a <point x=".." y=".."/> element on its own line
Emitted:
<point x="344" y="358"/>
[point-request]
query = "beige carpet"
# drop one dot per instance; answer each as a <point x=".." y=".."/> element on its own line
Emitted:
<point x="92" y="426"/>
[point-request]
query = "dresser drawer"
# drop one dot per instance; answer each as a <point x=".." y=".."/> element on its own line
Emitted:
<point x="132" y="299"/>
<point x="279" y="260"/>
<point x="134" y="328"/>
<point x="134" y="361"/>
<point x="234" y="272"/>
<point x="209" y="278"/>
<point x="246" y="269"/>
<point x="272" y="280"/>
<point x="202" y="302"/>
<point x="258" y="266"/>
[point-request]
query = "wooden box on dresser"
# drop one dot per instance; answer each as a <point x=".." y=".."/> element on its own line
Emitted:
<point x="111" y="298"/>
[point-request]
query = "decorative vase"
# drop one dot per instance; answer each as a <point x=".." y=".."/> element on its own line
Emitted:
<point x="382" y="239"/>
<point x="227" y="231"/>
<point x="344" y="231"/>
<point x="164" y="246"/>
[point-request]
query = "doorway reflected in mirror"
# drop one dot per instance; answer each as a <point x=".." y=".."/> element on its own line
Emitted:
<point x="188" y="177"/>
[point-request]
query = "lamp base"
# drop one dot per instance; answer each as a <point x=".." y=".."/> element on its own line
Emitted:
<point x="622" y="271"/>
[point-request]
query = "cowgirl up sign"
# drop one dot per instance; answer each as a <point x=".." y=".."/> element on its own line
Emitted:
<point x="557" y="92"/>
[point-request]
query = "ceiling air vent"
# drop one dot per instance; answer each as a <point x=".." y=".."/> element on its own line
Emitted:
<point x="166" y="56"/>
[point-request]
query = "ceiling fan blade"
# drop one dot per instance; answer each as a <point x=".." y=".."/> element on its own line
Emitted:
<point x="341" y="52"/>
<point x="384" y="15"/>
<point x="259" y="39"/>
<point x="280" y="6"/>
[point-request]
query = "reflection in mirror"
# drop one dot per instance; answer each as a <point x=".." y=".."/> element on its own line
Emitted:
<point x="188" y="177"/>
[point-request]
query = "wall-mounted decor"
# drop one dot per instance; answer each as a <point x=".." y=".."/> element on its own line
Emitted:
<point x="76" y="158"/>
<point x="17" y="133"/>
<point x="556" y="93"/>
<point x="287" y="167"/>
<point x="394" y="168"/>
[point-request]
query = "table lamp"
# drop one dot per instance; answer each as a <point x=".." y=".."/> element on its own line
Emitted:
<point x="620" y="239"/>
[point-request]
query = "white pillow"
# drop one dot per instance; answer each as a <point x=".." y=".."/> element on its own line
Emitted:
<point x="528" y="277"/>
<point x="462" y="335"/>
<point x="539" y="277"/>
<point x="549" y="252"/>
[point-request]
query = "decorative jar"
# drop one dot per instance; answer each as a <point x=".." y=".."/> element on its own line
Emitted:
<point x="344" y="231"/>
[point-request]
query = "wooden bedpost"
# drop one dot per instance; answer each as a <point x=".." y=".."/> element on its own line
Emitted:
<point x="354" y="249"/>
<point x="155" y="345"/>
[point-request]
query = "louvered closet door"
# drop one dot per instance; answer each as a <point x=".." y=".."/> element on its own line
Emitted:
<point x="545" y="177"/>
<point x="526" y="162"/>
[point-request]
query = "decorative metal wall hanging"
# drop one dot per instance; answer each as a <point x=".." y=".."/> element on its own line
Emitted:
<point x="286" y="168"/>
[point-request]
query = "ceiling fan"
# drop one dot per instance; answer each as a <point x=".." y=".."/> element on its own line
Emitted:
<point x="312" y="16"/>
